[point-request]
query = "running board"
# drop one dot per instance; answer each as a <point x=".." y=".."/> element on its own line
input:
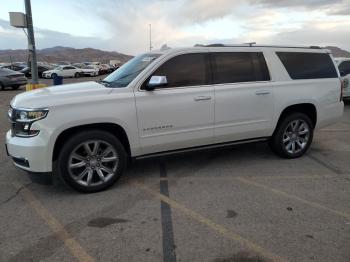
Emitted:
<point x="200" y="148"/>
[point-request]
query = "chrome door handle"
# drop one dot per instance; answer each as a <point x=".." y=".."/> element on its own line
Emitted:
<point x="263" y="92"/>
<point x="202" y="98"/>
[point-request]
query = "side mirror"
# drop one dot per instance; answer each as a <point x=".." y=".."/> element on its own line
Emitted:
<point x="156" y="81"/>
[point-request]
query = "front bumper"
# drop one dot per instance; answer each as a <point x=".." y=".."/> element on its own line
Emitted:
<point x="30" y="154"/>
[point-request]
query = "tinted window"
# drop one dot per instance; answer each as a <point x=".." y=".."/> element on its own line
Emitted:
<point x="308" y="65"/>
<point x="185" y="70"/>
<point x="345" y="67"/>
<point x="239" y="67"/>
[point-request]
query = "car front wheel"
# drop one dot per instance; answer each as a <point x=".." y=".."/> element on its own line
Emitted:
<point x="92" y="161"/>
<point x="293" y="136"/>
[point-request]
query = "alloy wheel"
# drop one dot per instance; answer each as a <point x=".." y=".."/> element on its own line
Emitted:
<point x="93" y="163"/>
<point x="296" y="136"/>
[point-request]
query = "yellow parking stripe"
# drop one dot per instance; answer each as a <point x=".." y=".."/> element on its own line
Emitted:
<point x="286" y="195"/>
<point x="227" y="178"/>
<point x="73" y="246"/>
<point x="209" y="223"/>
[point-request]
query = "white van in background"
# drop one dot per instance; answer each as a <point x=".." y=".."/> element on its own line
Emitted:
<point x="344" y="69"/>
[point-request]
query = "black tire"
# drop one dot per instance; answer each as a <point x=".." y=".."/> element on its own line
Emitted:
<point x="277" y="140"/>
<point x="71" y="145"/>
<point x="2" y="87"/>
<point x="76" y="75"/>
<point x="15" y="87"/>
<point x="53" y="75"/>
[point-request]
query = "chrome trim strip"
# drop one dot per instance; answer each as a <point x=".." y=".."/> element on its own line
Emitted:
<point x="199" y="148"/>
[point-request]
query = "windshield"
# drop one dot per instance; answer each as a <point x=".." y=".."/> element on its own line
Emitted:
<point x="129" y="71"/>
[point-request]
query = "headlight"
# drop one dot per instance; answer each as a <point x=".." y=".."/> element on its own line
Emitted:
<point x="31" y="116"/>
<point x="22" y="120"/>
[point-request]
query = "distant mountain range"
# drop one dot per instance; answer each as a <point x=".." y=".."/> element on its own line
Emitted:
<point x="60" y="53"/>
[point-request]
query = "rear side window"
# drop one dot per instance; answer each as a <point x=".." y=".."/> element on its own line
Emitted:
<point x="235" y="67"/>
<point x="185" y="70"/>
<point x="308" y="65"/>
<point x="345" y="67"/>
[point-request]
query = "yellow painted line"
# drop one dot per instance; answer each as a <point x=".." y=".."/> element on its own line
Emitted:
<point x="73" y="246"/>
<point x="210" y="224"/>
<point x="286" y="195"/>
<point x="228" y="178"/>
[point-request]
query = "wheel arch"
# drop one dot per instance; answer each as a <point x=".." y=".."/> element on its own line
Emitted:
<point x="308" y="109"/>
<point x="115" y="129"/>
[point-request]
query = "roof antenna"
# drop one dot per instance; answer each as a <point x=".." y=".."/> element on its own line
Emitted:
<point x="250" y="43"/>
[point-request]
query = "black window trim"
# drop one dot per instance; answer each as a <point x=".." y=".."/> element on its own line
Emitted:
<point x="210" y="67"/>
<point x="213" y="65"/>
<point x="141" y="87"/>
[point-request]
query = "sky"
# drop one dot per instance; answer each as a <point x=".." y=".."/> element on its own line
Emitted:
<point x="123" y="25"/>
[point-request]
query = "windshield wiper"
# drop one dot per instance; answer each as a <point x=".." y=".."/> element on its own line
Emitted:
<point x="105" y="83"/>
<point x="127" y="75"/>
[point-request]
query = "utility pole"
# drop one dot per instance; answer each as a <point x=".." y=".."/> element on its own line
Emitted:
<point x="150" y="37"/>
<point x="31" y="42"/>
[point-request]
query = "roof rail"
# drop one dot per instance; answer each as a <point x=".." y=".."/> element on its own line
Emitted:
<point x="253" y="44"/>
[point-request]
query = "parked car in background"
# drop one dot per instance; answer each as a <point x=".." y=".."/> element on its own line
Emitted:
<point x="10" y="78"/>
<point x="104" y="69"/>
<point x="64" y="71"/>
<point x="14" y="67"/>
<point x="344" y="69"/>
<point x="169" y="101"/>
<point x="28" y="73"/>
<point x="90" y="71"/>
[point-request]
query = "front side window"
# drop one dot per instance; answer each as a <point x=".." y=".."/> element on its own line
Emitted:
<point x="237" y="67"/>
<point x="308" y="65"/>
<point x="344" y="67"/>
<point x="185" y="70"/>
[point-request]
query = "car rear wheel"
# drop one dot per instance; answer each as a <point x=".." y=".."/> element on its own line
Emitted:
<point x="76" y="75"/>
<point x="293" y="136"/>
<point x="92" y="161"/>
<point x="2" y="87"/>
<point x="15" y="87"/>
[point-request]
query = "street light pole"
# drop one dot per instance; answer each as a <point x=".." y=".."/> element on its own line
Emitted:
<point x="31" y="42"/>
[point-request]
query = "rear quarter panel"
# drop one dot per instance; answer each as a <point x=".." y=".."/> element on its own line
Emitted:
<point x="324" y="94"/>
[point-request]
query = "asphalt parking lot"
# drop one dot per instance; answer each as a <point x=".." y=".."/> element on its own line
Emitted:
<point x="238" y="204"/>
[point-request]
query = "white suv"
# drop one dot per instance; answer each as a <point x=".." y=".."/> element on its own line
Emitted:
<point x="167" y="101"/>
<point x="344" y="68"/>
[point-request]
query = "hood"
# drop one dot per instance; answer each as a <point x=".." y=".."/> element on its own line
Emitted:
<point x="61" y="95"/>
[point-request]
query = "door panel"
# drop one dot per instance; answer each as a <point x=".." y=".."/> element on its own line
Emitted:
<point x="175" y="118"/>
<point x="179" y="114"/>
<point x="243" y="111"/>
<point x="243" y="96"/>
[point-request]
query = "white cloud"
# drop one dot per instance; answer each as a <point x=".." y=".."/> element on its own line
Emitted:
<point x="124" y="24"/>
